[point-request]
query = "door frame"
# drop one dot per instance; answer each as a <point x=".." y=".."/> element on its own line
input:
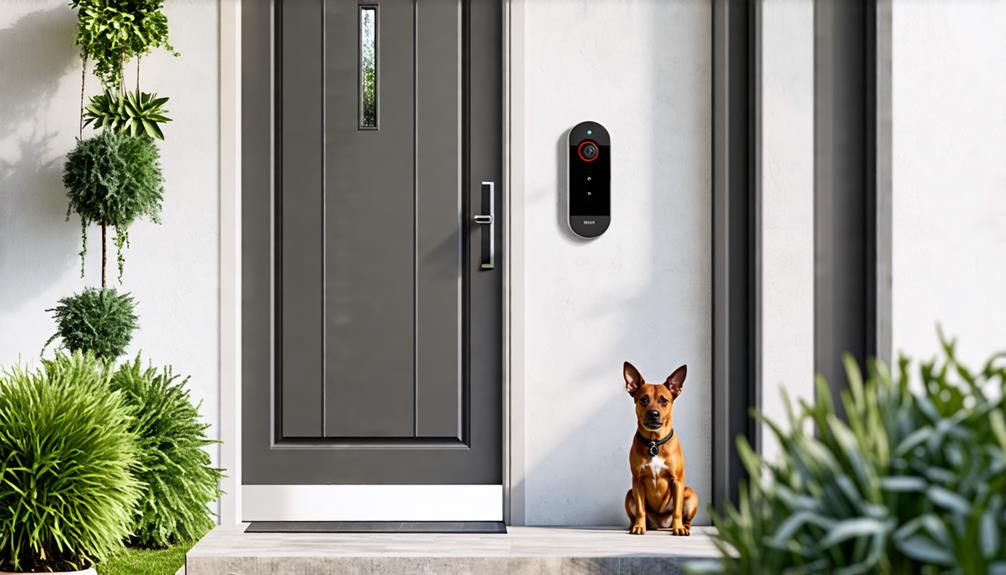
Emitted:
<point x="735" y="42"/>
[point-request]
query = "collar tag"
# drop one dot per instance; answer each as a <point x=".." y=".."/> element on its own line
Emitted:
<point x="654" y="450"/>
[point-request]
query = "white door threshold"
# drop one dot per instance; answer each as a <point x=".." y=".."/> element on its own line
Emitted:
<point x="372" y="503"/>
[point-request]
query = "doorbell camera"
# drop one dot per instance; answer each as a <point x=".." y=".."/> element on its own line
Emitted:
<point x="588" y="179"/>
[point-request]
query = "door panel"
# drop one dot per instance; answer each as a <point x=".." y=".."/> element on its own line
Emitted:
<point x="370" y="200"/>
<point x="372" y="337"/>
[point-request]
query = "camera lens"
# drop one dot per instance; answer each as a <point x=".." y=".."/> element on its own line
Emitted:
<point x="587" y="151"/>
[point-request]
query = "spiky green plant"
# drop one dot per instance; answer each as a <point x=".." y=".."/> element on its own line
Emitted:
<point x="181" y="482"/>
<point x="912" y="481"/>
<point x="101" y="321"/>
<point x="112" y="180"/>
<point x="67" y="457"/>
<point x="134" y="113"/>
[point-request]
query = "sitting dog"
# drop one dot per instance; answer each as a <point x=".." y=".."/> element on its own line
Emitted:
<point x="659" y="496"/>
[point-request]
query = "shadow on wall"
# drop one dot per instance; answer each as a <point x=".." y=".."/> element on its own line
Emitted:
<point x="36" y="243"/>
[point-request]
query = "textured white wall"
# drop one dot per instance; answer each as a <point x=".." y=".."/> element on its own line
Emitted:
<point x="642" y="291"/>
<point x="949" y="190"/>
<point x="787" y="171"/>
<point x="172" y="268"/>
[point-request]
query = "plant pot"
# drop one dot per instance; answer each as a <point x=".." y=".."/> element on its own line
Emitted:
<point x="88" y="571"/>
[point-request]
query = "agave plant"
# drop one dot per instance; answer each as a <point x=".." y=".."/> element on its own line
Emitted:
<point x="913" y="479"/>
<point x="133" y="113"/>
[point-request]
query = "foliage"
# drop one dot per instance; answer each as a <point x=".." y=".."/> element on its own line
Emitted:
<point x="134" y="113"/>
<point x="111" y="32"/>
<point x="145" y="561"/>
<point x="912" y="482"/>
<point x="113" y="179"/>
<point x="369" y="67"/>
<point x="101" y="321"/>
<point x="180" y="481"/>
<point x="67" y="491"/>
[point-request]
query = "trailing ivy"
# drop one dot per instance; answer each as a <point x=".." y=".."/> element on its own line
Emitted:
<point x="112" y="32"/>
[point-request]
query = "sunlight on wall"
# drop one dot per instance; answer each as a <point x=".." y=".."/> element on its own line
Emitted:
<point x="640" y="292"/>
<point x="949" y="198"/>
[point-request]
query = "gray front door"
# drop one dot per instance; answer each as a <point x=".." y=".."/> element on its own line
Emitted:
<point x="371" y="309"/>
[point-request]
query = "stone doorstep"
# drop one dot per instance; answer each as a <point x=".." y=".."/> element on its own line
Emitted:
<point x="524" y="550"/>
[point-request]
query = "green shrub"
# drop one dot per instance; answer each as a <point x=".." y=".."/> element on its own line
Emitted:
<point x="912" y="482"/>
<point x="97" y="320"/>
<point x="113" y="179"/>
<point x="180" y="480"/>
<point x="67" y="456"/>
<point x="111" y="32"/>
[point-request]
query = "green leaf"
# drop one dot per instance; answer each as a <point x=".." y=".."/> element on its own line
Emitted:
<point x="845" y="530"/>
<point x="903" y="483"/>
<point x="948" y="500"/>
<point x="923" y="550"/>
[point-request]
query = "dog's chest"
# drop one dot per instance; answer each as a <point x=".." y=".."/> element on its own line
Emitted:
<point x="656" y="466"/>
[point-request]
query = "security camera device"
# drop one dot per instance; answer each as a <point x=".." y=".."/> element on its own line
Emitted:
<point x="588" y="180"/>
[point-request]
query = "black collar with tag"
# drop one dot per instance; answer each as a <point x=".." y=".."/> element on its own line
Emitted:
<point x="654" y="445"/>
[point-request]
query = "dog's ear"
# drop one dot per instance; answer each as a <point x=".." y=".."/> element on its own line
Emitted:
<point x="676" y="381"/>
<point x="633" y="379"/>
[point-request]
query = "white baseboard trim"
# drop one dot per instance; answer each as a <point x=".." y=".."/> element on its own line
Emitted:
<point x="372" y="503"/>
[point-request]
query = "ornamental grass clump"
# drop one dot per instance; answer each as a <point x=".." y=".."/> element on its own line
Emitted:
<point x="913" y="480"/>
<point x="180" y="480"/>
<point x="112" y="180"/>
<point x="67" y="459"/>
<point x="101" y="321"/>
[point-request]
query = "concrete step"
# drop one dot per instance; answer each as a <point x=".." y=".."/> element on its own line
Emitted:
<point x="524" y="550"/>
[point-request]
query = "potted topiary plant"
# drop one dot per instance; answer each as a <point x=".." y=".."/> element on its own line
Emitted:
<point x="97" y="320"/>
<point x="112" y="32"/>
<point x="67" y="461"/>
<point x="113" y="179"/>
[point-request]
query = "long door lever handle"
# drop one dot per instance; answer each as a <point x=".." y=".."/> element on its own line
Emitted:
<point x="487" y="220"/>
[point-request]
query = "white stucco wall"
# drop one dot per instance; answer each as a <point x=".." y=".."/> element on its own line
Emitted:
<point x="949" y="176"/>
<point x="642" y="291"/>
<point x="787" y="211"/>
<point x="172" y="268"/>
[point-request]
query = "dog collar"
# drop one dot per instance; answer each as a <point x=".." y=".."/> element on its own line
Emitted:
<point x="654" y="446"/>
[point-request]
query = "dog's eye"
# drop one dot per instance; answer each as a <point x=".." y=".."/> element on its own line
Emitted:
<point x="663" y="401"/>
<point x="644" y="401"/>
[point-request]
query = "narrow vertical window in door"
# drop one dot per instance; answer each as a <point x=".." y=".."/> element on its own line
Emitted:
<point x="368" y="67"/>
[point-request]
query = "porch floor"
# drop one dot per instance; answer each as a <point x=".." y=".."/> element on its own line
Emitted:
<point x="538" y="550"/>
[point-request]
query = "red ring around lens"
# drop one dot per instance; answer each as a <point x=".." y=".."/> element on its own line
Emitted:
<point x="579" y="150"/>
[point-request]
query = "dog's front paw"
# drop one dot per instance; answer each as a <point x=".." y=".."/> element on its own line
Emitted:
<point x="681" y="530"/>
<point x="638" y="529"/>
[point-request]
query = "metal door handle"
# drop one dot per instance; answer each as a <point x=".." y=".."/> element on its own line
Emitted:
<point x="489" y="221"/>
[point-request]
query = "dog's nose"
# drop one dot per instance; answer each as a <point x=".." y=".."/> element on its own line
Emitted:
<point x="653" y="415"/>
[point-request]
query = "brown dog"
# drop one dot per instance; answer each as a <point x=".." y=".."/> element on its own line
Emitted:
<point x="659" y="497"/>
